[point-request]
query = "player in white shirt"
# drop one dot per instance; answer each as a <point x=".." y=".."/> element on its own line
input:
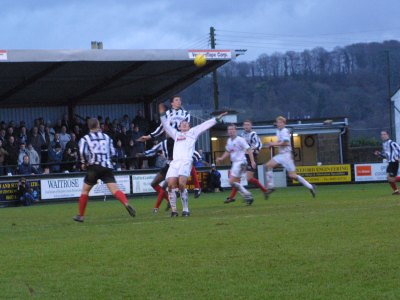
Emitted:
<point x="237" y="148"/>
<point x="284" y="158"/>
<point x="181" y="165"/>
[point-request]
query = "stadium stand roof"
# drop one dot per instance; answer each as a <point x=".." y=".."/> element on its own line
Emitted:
<point x="72" y="77"/>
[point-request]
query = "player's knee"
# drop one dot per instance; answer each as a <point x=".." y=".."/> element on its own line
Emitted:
<point x="182" y="186"/>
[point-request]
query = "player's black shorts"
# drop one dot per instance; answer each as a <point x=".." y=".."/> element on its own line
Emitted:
<point x="164" y="170"/>
<point x="95" y="172"/>
<point x="249" y="167"/>
<point x="392" y="168"/>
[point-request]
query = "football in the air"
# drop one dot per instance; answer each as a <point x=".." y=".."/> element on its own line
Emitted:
<point x="200" y="60"/>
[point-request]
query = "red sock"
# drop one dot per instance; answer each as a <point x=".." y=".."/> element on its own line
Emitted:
<point x="160" y="197"/>
<point x="195" y="179"/>
<point x="258" y="184"/>
<point x="165" y="196"/>
<point x="83" y="199"/>
<point x="397" y="178"/>
<point x="393" y="186"/>
<point x="233" y="193"/>
<point x="121" y="197"/>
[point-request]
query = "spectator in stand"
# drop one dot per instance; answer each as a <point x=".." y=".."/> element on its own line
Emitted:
<point x="141" y="122"/>
<point x="65" y="122"/>
<point x="3" y="135"/>
<point x="55" y="141"/>
<point x="107" y="124"/>
<point x="78" y="132"/>
<point x="36" y="140"/>
<point x="12" y="159"/>
<point x="125" y="122"/>
<point x="139" y="146"/>
<point x="72" y="144"/>
<point x="70" y="160"/>
<point x="130" y="150"/>
<point x="34" y="157"/>
<point x="119" y="157"/>
<point x="124" y="137"/>
<point x="45" y="134"/>
<point x="155" y="123"/>
<point x="23" y="135"/>
<point x="3" y="155"/>
<point x="131" y="130"/>
<point x="55" y="158"/>
<point x="57" y="127"/>
<point x="113" y="134"/>
<point x="64" y="137"/>
<point x="25" y="168"/>
<point x="10" y="132"/>
<point x="21" y="153"/>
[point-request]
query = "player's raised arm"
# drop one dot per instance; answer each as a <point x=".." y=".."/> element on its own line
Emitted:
<point x="208" y="124"/>
<point x="167" y="127"/>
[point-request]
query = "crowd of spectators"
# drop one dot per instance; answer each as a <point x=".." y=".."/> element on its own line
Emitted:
<point x="53" y="148"/>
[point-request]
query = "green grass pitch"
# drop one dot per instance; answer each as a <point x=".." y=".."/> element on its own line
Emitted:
<point x="345" y="244"/>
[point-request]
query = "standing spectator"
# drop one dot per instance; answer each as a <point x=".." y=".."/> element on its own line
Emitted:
<point x="57" y="127"/>
<point x="64" y="137"/>
<point x="125" y="122"/>
<point x="139" y="145"/>
<point x="3" y="135"/>
<point x="132" y="161"/>
<point x="21" y="153"/>
<point x="3" y="155"/>
<point x="55" y="158"/>
<point x="70" y="160"/>
<point x="119" y="156"/>
<point x="25" y="168"/>
<point x="141" y="122"/>
<point x="34" y="157"/>
<point x="36" y="140"/>
<point x="12" y="159"/>
<point x="124" y="137"/>
<point x="77" y="131"/>
<point x="10" y="132"/>
<point x="55" y="141"/>
<point x="23" y="135"/>
<point x="72" y="144"/>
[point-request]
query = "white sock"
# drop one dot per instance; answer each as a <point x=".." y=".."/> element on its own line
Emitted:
<point x="241" y="189"/>
<point x="270" y="179"/>
<point x="172" y="199"/>
<point x="304" y="182"/>
<point x="185" y="200"/>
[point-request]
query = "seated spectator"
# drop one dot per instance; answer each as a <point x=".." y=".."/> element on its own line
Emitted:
<point x="26" y="168"/>
<point x="25" y="192"/>
<point x="55" y="157"/>
<point x="214" y="180"/>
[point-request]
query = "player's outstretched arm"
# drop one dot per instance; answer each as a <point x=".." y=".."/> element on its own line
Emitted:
<point x="167" y="127"/>
<point x="208" y="124"/>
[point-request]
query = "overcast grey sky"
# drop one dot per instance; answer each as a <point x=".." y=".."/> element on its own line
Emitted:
<point x="259" y="26"/>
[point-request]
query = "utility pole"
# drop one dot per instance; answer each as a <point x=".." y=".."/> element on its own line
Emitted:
<point x="214" y="73"/>
<point x="389" y="93"/>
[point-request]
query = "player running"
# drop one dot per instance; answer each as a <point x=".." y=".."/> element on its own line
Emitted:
<point x="391" y="152"/>
<point x="284" y="158"/>
<point x="237" y="148"/>
<point x="179" y="168"/>
<point x="254" y="142"/>
<point x="175" y="115"/>
<point x="96" y="149"/>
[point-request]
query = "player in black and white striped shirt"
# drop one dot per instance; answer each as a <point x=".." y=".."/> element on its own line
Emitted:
<point x="175" y="115"/>
<point x="96" y="149"/>
<point x="390" y="152"/>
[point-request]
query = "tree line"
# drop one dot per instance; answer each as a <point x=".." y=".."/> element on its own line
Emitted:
<point x="352" y="81"/>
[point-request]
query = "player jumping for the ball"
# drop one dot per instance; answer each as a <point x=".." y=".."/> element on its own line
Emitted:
<point x="284" y="158"/>
<point x="179" y="168"/>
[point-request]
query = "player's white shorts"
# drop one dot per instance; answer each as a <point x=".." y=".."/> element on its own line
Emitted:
<point x="238" y="168"/>
<point x="286" y="160"/>
<point x="179" y="168"/>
